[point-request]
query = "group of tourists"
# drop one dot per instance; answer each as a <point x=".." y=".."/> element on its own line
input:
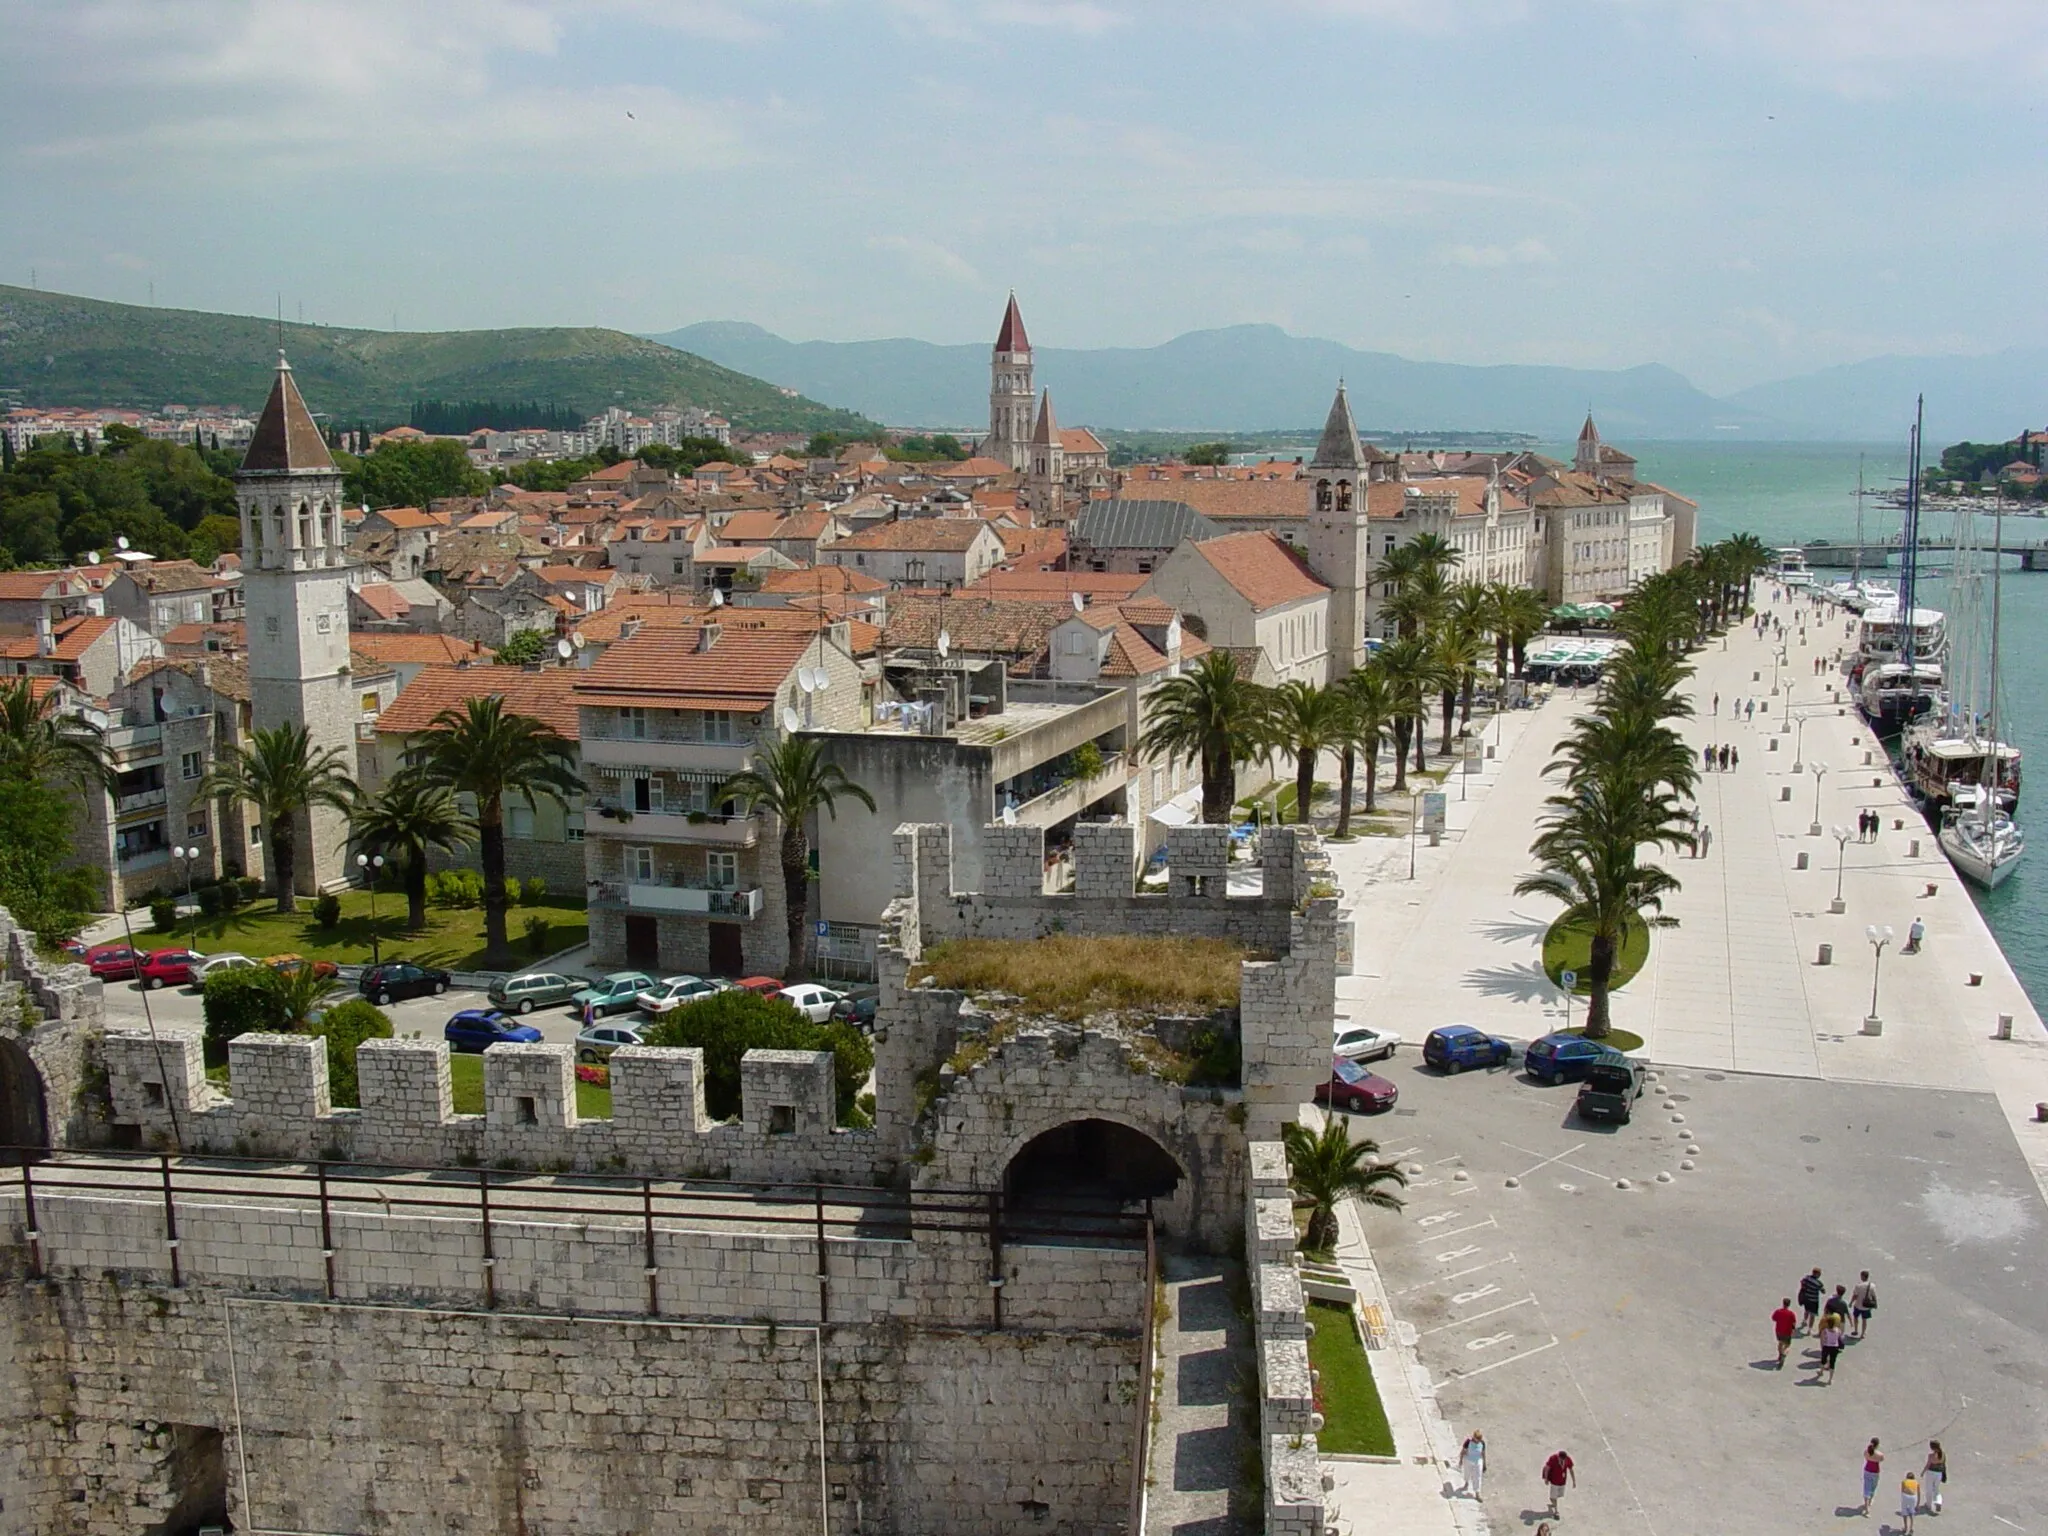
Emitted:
<point x="1558" y="1472"/>
<point x="1919" y="1493"/>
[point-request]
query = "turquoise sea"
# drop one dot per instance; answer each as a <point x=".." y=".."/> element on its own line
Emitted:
<point x="1788" y="493"/>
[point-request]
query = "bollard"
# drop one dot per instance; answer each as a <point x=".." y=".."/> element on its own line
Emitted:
<point x="2041" y="1112"/>
<point x="2004" y="1027"/>
<point x="1838" y="906"/>
<point x="1931" y="888"/>
<point x="1801" y="864"/>
<point x="1785" y="792"/>
<point x="1877" y="783"/>
<point x="1489" y="754"/>
<point x="1773" y="744"/>
<point x="1873" y="1025"/>
<point x="1913" y="848"/>
<point x="1866" y="759"/>
<point x="1976" y="979"/>
<point x="1898" y="823"/>
<point x="1756" y="677"/>
<point x="1826" y="955"/>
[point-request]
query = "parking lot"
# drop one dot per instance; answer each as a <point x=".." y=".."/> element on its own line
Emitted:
<point x="1630" y="1326"/>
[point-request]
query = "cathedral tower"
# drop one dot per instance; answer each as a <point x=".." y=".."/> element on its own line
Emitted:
<point x="295" y="588"/>
<point x="1339" y="542"/>
<point x="1045" y="476"/>
<point x="1010" y="393"/>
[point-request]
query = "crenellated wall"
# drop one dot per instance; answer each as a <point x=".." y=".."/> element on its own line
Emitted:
<point x="1294" y="1487"/>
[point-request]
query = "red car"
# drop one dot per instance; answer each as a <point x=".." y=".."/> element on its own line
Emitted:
<point x="171" y="968"/>
<point x="1352" y="1087"/>
<point x="112" y="962"/>
<point x="767" y="986"/>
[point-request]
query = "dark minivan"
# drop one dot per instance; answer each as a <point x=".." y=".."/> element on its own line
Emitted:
<point x="1613" y="1084"/>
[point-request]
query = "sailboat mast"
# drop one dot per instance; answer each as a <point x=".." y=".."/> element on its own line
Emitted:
<point x="1990" y="796"/>
<point x="1909" y="535"/>
<point x="1856" y="560"/>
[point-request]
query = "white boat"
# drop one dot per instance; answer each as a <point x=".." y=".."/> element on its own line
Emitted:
<point x="1898" y="669"/>
<point x="1982" y="841"/>
<point x="1790" y="568"/>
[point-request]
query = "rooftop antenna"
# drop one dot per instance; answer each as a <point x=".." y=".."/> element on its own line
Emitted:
<point x="564" y="649"/>
<point x="717" y="598"/>
<point x="1080" y="602"/>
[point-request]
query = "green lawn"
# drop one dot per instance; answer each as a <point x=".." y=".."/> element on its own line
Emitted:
<point x="466" y="1079"/>
<point x="1568" y="947"/>
<point x="453" y="938"/>
<point x="1354" y="1421"/>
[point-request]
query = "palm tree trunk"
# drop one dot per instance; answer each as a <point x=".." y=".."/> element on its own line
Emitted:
<point x="1599" y="970"/>
<point x="283" y="861"/>
<point x="1521" y="658"/>
<point x="1215" y="793"/>
<point x="1372" y="774"/>
<point x="1304" y="784"/>
<point x="416" y="891"/>
<point x="1500" y="660"/>
<point x="1448" y="699"/>
<point x="491" y="845"/>
<point x="1465" y="700"/>
<point x="1403" y="725"/>
<point x="796" y="898"/>
<point x="1347" y="770"/>
<point x="1421" y="738"/>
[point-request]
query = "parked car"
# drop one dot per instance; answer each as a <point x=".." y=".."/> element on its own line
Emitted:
<point x="215" y="964"/>
<point x="1556" y="1058"/>
<point x="1351" y="1087"/>
<point x="75" y="948"/>
<point x="395" y="979"/>
<point x="299" y="962"/>
<point x="478" y="1029"/>
<point x="671" y="992"/>
<point x="1455" y="1047"/>
<point x="612" y="994"/>
<point x="767" y="986"/>
<point x="1362" y="1042"/>
<point x="1613" y="1085"/>
<point x="535" y="989"/>
<point x="172" y="967"/>
<point x="112" y="962"/>
<point x="857" y="1011"/>
<point x="599" y="1041"/>
<point x="811" y="1000"/>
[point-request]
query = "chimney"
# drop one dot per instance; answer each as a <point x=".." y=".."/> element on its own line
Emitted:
<point x="628" y="628"/>
<point x="707" y="637"/>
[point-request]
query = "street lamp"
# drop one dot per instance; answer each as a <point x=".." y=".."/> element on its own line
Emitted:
<point x="1879" y="937"/>
<point x="187" y="856"/>
<point x="1777" y="661"/>
<point x="1820" y="771"/>
<point x="372" y="866"/>
<point x="1798" y="743"/>
<point x="1841" y="835"/>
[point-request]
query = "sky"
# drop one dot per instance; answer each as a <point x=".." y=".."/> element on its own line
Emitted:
<point x="1741" y="189"/>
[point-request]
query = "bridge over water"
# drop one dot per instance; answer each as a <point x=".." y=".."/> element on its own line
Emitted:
<point x="1823" y="555"/>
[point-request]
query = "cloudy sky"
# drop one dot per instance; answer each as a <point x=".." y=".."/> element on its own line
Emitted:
<point x="1742" y="189"/>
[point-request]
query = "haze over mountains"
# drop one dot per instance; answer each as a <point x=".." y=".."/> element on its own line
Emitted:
<point x="1248" y="378"/>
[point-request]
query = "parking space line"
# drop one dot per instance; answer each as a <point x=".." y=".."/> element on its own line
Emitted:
<point x="1511" y="1360"/>
<point x="1477" y="1316"/>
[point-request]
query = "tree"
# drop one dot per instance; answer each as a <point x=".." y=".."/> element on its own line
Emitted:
<point x="38" y="744"/>
<point x="1455" y="651"/>
<point x="523" y="648"/>
<point x="726" y="1025"/>
<point x="1409" y="674"/>
<point x="411" y="474"/>
<point x="280" y="774"/>
<point x="794" y="781"/>
<point x="1326" y="1167"/>
<point x="480" y="749"/>
<point x="1207" y="453"/>
<point x="408" y="820"/>
<point x="1302" y="720"/>
<point x="1369" y="712"/>
<point x="296" y="996"/>
<point x="1212" y="715"/>
<point x="1519" y="617"/>
<point x="345" y="1027"/>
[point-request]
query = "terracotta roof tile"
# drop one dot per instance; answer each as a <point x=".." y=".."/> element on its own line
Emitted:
<point x="382" y="599"/>
<point x="544" y="695"/>
<point x="1107" y="585"/>
<point x="1261" y="569"/>
<point x="405" y="649"/>
<point x="951" y="535"/>
<point x="743" y="669"/>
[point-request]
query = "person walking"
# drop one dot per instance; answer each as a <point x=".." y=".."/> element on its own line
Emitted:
<point x="1735" y="757"/>
<point x="1556" y="1472"/>
<point x="1707" y="759"/>
<point x="1810" y="1292"/>
<point x="1830" y="1345"/>
<point x="1932" y="1476"/>
<point x="1909" y="1503"/>
<point x="1862" y="1302"/>
<point x="1717" y="706"/>
<point x="1837" y="1307"/>
<point x="1784" y="1323"/>
<point x="1914" y="935"/>
<point x="1873" y="1469"/>
<point x="1706" y="841"/>
<point x="1472" y="1464"/>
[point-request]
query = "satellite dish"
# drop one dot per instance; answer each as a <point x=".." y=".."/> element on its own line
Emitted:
<point x="564" y="649"/>
<point x="576" y="636"/>
<point x="1080" y="602"/>
<point x="121" y="542"/>
<point x="945" y="643"/>
<point x="791" y="720"/>
<point x="92" y="557"/>
<point x="717" y="598"/>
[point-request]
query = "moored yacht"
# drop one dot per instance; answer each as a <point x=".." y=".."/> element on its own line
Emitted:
<point x="1984" y="845"/>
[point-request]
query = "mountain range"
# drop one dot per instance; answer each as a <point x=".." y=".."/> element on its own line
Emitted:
<point x="1249" y="378"/>
<point x="57" y="349"/>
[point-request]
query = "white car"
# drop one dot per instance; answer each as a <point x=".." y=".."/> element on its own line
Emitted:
<point x="215" y="964"/>
<point x="811" y="1000"/>
<point x="672" y="992"/>
<point x="1361" y="1042"/>
<point x="597" y="1043"/>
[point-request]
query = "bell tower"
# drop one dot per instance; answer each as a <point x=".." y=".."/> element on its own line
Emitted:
<point x="1045" y="477"/>
<point x="1010" y="393"/>
<point x="295" y="586"/>
<point x="1339" y="541"/>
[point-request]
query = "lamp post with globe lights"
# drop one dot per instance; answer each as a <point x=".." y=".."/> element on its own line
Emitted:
<point x="1841" y="835"/>
<point x="1820" y="771"/>
<point x="1879" y="937"/>
<point x="188" y="857"/>
<point x="372" y="866"/>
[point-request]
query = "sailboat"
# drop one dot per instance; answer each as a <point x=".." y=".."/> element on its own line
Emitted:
<point x="1981" y="840"/>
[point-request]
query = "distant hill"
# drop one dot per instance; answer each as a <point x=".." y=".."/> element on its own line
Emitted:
<point x="1241" y="378"/>
<point x="56" y="349"/>
<point x="1986" y="399"/>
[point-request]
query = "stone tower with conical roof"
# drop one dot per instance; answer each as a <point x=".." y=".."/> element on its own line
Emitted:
<point x="1045" y="475"/>
<point x="1010" y="393"/>
<point x="1339" y="542"/>
<point x="295" y="590"/>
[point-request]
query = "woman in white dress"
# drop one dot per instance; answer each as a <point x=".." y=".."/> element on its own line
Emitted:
<point x="1472" y="1464"/>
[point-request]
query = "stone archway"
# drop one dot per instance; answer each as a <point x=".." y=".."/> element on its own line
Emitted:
<point x="23" y="1122"/>
<point x="1092" y="1159"/>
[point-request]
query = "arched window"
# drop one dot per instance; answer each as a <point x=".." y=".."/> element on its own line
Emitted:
<point x="1322" y="495"/>
<point x="1343" y="495"/>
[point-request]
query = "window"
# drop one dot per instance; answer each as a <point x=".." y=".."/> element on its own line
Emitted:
<point x="519" y="821"/>
<point x="195" y="828"/>
<point x="781" y="1119"/>
<point x="718" y="725"/>
<point x="721" y="870"/>
<point x="270" y="625"/>
<point x="679" y="567"/>
<point x="633" y="723"/>
<point x="369" y="704"/>
<point x="574" y="832"/>
<point x="192" y="764"/>
<point x="640" y="865"/>
<point x="255" y="836"/>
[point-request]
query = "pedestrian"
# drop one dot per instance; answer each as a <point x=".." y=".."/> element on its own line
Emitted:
<point x="1837" y="1307"/>
<point x="1830" y="1344"/>
<point x="1735" y="757"/>
<point x="1933" y="1476"/>
<point x="1472" y="1464"/>
<point x="1909" y="1503"/>
<point x="1724" y="759"/>
<point x="1862" y="1302"/>
<point x="1706" y="841"/>
<point x="1810" y="1291"/>
<point x="1707" y="759"/>
<point x="1717" y="705"/>
<point x="1752" y="709"/>
<point x="1873" y="1468"/>
<point x="1914" y="935"/>
<point x="1556" y="1472"/>
<point x="1784" y="1322"/>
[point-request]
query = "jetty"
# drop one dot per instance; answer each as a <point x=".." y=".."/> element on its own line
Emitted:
<point x="1824" y="555"/>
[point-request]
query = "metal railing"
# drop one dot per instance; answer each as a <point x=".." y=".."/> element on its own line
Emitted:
<point x="491" y="1197"/>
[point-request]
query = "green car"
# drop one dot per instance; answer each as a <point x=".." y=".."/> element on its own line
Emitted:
<point x="616" y="993"/>
<point x="534" y="989"/>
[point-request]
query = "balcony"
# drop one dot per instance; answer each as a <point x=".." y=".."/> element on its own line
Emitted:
<point x="135" y="743"/>
<point x="141" y="800"/>
<point x="1074" y="796"/>
<point x="147" y="859"/>
<point x="694" y="900"/>
<point x="657" y="752"/>
<point x="699" y="830"/>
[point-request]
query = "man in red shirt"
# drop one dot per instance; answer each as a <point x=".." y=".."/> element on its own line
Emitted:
<point x="1786" y="1322"/>
<point x="1556" y="1472"/>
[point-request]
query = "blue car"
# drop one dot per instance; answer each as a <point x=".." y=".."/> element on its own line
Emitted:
<point x="1458" y="1046"/>
<point x="478" y="1029"/>
<point x="1561" y="1058"/>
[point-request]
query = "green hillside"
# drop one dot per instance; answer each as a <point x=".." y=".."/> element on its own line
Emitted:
<point x="59" y="350"/>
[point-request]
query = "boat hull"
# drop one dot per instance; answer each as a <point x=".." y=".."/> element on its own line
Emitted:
<point x="1974" y="864"/>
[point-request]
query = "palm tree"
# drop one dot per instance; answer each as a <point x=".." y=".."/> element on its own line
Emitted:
<point x="409" y="820"/>
<point x="1436" y="554"/>
<point x="1495" y="630"/>
<point x="1455" y="651"/>
<point x="281" y="774"/>
<point x="794" y="781"/>
<point x="1326" y="1166"/>
<point x="1368" y="711"/>
<point x="39" y="745"/>
<point x="1303" y="720"/>
<point x="296" y="995"/>
<point x="1748" y="558"/>
<point x="1409" y="674"/>
<point x="1215" y="716"/>
<point x="478" y="748"/>
<point x="1418" y="603"/>
<point x="1521" y="618"/>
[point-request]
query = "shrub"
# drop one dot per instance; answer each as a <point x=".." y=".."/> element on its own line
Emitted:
<point x="537" y="934"/>
<point x="344" y="1027"/>
<point x="729" y="1024"/>
<point x="163" y="913"/>
<point x="461" y="888"/>
<point x="327" y="909"/>
<point x="211" y="903"/>
<point x="235" y="1002"/>
<point x="533" y="892"/>
<point x="1087" y="760"/>
<point x="248" y="887"/>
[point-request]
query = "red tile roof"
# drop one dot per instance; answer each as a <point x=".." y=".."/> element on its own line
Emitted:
<point x="665" y="668"/>
<point x="1092" y="584"/>
<point x="1011" y="337"/>
<point x="71" y="636"/>
<point x="947" y="535"/>
<point x="1261" y="569"/>
<point x="544" y="695"/>
<point x="398" y="649"/>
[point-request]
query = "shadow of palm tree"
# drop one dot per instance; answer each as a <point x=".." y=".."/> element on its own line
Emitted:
<point x="1513" y="928"/>
<point x="1525" y="983"/>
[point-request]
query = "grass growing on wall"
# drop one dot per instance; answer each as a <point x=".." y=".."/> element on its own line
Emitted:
<point x="1354" y="1420"/>
<point x="1069" y="977"/>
